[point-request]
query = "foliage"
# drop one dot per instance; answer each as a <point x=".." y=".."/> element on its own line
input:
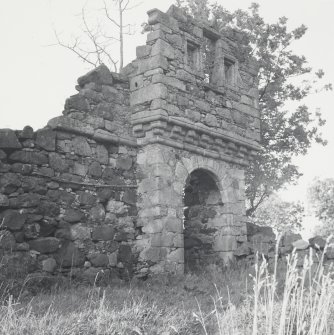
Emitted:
<point x="283" y="216"/>
<point x="321" y="199"/>
<point x="283" y="77"/>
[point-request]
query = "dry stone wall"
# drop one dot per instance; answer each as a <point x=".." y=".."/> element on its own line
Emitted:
<point x="105" y="185"/>
<point x="68" y="191"/>
<point x="262" y="242"/>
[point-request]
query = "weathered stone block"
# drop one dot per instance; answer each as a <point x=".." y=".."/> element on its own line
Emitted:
<point x="30" y="157"/>
<point x="154" y="35"/>
<point x="103" y="233"/>
<point x="86" y="198"/>
<point x="8" y="139"/>
<point x="80" y="232"/>
<point x="69" y="255"/>
<point x="101" y="154"/>
<point x="170" y="81"/>
<point x="77" y="102"/>
<point x="70" y="124"/>
<point x="7" y="240"/>
<point x="99" y="260"/>
<point x="13" y="220"/>
<point x="130" y="197"/>
<point x="116" y="207"/>
<point x="49" y="265"/>
<point x="81" y="147"/>
<point x="4" y="202"/>
<point x="100" y="75"/>
<point x="163" y="48"/>
<point x="300" y="245"/>
<point x="143" y="51"/>
<point x="46" y="139"/>
<point x="45" y="245"/>
<point x="144" y="65"/>
<point x="27" y="133"/>
<point x="125" y="254"/>
<point x="148" y="93"/>
<point x="73" y="215"/>
<point x="124" y="163"/>
<point x="317" y="242"/>
<point x="97" y="213"/>
<point x="156" y="16"/>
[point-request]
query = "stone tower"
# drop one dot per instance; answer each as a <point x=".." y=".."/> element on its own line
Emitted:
<point x="144" y="171"/>
<point x="194" y="105"/>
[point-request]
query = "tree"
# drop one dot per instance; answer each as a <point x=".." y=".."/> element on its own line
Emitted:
<point x="95" y="43"/>
<point x="283" y="76"/>
<point x="282" y="216"/>
<point x="321" y="200"/>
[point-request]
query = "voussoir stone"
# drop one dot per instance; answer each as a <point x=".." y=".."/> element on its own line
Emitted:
<point x="45" y="245"/>
<point x="8" y="139"/>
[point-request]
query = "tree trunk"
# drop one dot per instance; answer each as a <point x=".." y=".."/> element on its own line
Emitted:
<point x="120" y="34"/>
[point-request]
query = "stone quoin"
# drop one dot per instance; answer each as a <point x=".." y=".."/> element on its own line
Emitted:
<point x="144" y="171"/>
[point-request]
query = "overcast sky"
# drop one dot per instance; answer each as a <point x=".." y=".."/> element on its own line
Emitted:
<point x="36" y="78"/>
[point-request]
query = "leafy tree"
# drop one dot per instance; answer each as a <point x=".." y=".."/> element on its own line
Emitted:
<point x="282" y="216"/>
<point x="321" y="199"/>
<point x="96" y="42"/>
<point x="283" y="76"/>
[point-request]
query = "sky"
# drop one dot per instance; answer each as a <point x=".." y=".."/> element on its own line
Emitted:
<point x="37" y="75"/>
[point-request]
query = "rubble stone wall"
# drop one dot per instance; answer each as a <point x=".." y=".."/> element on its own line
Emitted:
<point x="262" y="242"/>
<point x="68" y="191"/>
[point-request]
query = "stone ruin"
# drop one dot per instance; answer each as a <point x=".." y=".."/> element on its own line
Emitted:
<point x="144" y="171"/>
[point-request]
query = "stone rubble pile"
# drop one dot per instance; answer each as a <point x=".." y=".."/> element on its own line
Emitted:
<point x="263" y="241"/>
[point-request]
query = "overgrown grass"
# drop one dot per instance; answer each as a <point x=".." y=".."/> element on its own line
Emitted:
<point x="230" y="302"/>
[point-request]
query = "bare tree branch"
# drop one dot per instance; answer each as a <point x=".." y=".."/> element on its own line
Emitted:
<point x="96" y="48"/>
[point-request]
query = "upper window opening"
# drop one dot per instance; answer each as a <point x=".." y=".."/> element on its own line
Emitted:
<point x="192" y="55"/>
<point x="209" y="47"/>
<point x="229" y="71"/>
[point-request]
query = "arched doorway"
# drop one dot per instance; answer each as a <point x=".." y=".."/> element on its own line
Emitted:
<point x="202" y="201"/>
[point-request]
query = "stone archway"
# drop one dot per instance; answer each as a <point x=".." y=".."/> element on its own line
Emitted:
<point x="202" y="204"/>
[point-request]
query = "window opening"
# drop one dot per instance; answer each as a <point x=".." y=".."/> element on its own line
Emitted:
<point x="229" y="71"/>
<point x="192" y="55"/>
<point x="208" y="53"/>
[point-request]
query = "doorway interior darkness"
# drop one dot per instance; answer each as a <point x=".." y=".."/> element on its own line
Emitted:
<point x="202" y="199"/>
